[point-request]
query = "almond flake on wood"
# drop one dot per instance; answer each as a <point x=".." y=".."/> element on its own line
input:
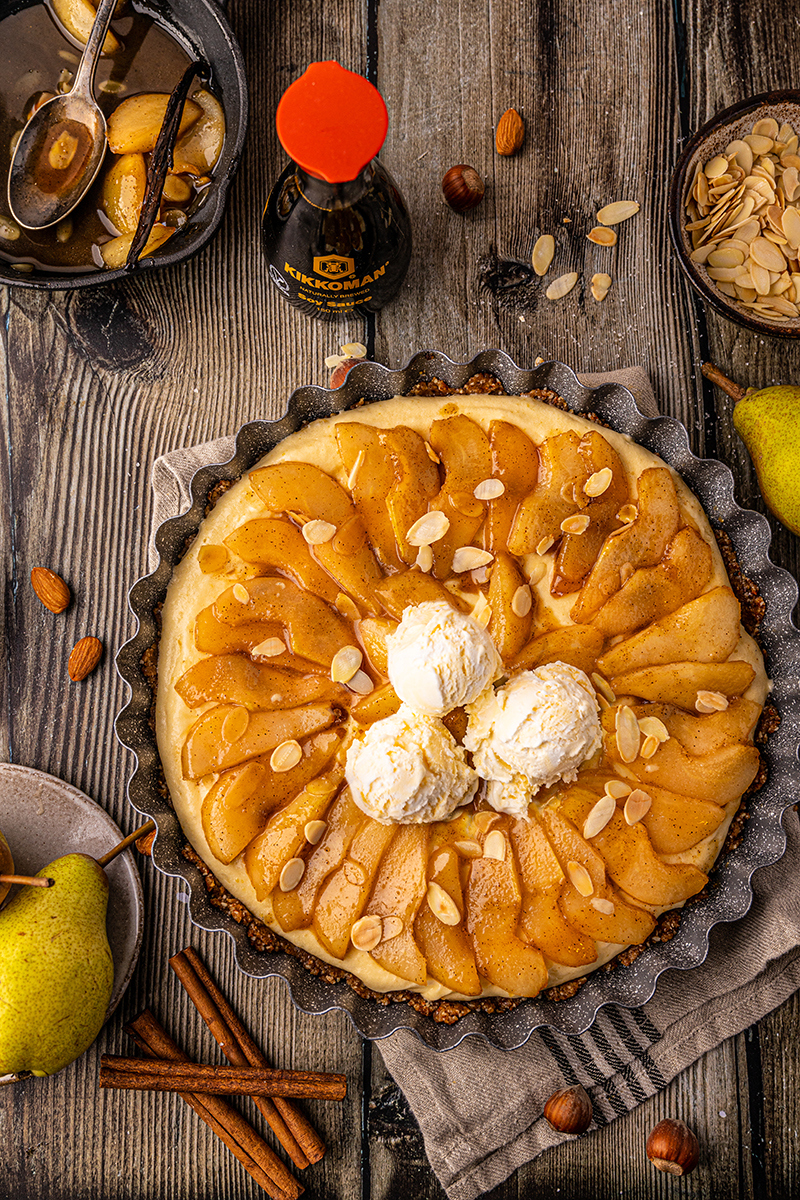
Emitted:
<point x="543" y="252"/>
<point x="601" y="235"/>
<point x="428" y="528"/>
<point x="620" y="210"/>
<point x="580" y="878"/>
<point x="562" y="286"/>
<point x="599" y="816"/>
<point x="354" y="350"/>
<point x="316" y="533"/>
<point x="636" y="806"/>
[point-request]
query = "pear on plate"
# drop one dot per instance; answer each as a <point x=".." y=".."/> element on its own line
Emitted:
<point x="56" y="969"/>
<point x="768" y="422"/>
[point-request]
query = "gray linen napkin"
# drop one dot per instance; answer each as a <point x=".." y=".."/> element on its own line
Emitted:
<point x="479" y="1108"/>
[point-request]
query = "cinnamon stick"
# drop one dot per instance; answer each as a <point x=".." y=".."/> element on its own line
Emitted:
<point x="252" y="1151"/>
<point x="167" y="1075"/>
<point x="292" y="1128"/>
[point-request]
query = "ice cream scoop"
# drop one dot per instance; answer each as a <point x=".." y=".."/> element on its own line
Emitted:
<point x="532" y="732"/>
<point x="409" y="769"/>
<point x="440" y="659"/>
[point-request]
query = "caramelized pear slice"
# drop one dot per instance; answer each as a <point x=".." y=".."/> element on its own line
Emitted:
<point x="378" y="705"/>
<point x="578" y="551"/>
<point x="373" y="632"/>
<point x="447" y="948"/>
<point x="712" y="731"/>
<point x="313" y="629"/>
<point x="213" y="636"/>
<point x="284" y="836"/>
<point x="570" y="846"/>
<point x="640" y="544"/>
<point x="636" y="868"/>
<point x="312" y="495"/>
<point x="624" y="926"/>
<point x="228" y="735"/>
<point x="676" y="823"/>
<point x="558" y="494"/>
<point x="465" y="453"/>
<point x="235" y="679"/>
<point x="542" y="922"/>
<point x="371" y="475"/>
<point x="237" y="806"/>
<point x="295" y="909"/>
<point x="344" y="895"/>
<point x="515" y="463"/>
<point x="271" y="543"/>
<point x="398" y="892"/>
<point x="654" y="592"/>
<point x="704" y="630"/>
<point x="494" y="903"/>
<point x="397" y="592"/>
<point x="578" y="645"/>
<point x="679" y="683"/>
<point x="416" y="482"/>
<point x="510" y="623"/>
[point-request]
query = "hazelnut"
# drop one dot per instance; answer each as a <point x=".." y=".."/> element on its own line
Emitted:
<point x="340" y="371"/>
<point x="672" y="1147"/>
<point x="463" y="187"/>
<point x="570" y="1110"/>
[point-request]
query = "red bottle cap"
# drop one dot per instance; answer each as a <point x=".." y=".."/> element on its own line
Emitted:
<point x="332" y="122"/>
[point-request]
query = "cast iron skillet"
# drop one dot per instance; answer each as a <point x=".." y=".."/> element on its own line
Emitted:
<point x="201" y="28"/>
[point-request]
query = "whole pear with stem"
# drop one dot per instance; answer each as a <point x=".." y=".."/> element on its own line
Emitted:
<point x="768" y="422"/>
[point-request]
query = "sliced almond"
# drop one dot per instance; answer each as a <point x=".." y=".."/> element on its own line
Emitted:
<point x="580" y="878"/>
<point x="577" y="524"/>
<point x="241" y="593"/>
<point x="637" y="804"/>
<point x="495" y="845"/>
<point x="521" y="601"/>
<point x="469" y="558"/>
<point x="392" y="928"/>
<point x="649" y="747"/>
<point x="316" y="533"/>
<point x="484" y="617"/>
<point x="562" y="286"/>
<point x="766" y="254"/>
<point x="291" y="874"/>
<point x="354" y="350"/>
<point x="235" y="724"/>
<point x="602" y="280"/>
<point x="599" y="816"/>
<point x="653" y="727"/>
<point x="442" y="904"/>
<point x="601" y="235"/>
<point x="320" y="787"/>
<point x="428" y="528"/>
<point x="603" y="687"/>
<point x="269" y="648"/>
<point x="285" y="756"/>
<point x="543" y="252"/>
<point x="620" y="210"/>
<point x="360" y="683"/>
<point x="468" y="848"/>
<point x="489" y="489"/>
<point x="424" y="559"/>
<point x="602" y="905"/>
<point x="536" y="572"/>
<point x="617" y="788"/>
<point x="628" y="735"/>
<point x="599" y="482"/>
<point x="346" y="606"/>
<point x="366" y="932"/>
<point x="628" y="513"/>
<point x="314" y="831"/>
<point x="708" y="702"/>
<point x="345" y="663"/>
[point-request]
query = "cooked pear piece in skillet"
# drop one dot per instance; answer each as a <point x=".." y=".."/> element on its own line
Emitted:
<point x="315" y="631"/>
<point x="370" y="477"/>
<point x="416" y="482"/>
<point x="398" y="592"/>
<point x="398" y="892"/>
<point x="514" y="464"/>
<point x="135" y="123"/>
<point x="284" y="836"/>
<point x="439" y="931"/>
<point x="464" y="450"/>
<point x="542" y="923"/>
<point x="640" y="544"/>
<point x="635" y="867"/>
<point x="578" y="645"/>
<point x="382" y="702"/>
<point x="605" y="491"/>
<point x="270" y="543"/>
<point x="512" y="607"/>
<point x="373" y="632"/>
<point x="198" y="150"/>
<point x="680" y="683"/>
<point x="654" y="592"/>
<point x="494" y="904"/>
<point x="237" y="806"/>
<point x="228" y="735"/>
<point x="558" y="494"/>
<point x="704" y="630"/>
<point x="123" y="191"/>
<point x="236" y="679"/>
<point x="344" y="895"/>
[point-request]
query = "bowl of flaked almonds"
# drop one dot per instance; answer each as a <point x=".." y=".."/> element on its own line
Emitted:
<point x="735" y="212"/>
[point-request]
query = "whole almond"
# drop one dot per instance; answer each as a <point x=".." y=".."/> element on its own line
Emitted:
<point x="50" y="588"/>
<point x="85" y="656"/>
<point x="510" y="132"/>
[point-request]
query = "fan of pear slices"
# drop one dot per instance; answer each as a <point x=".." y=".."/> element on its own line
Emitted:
<point x="568" y="543"/>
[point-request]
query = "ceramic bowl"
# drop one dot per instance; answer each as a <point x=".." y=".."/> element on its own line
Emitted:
<point x="764" y="840"/>
<point x="731" y="124"/>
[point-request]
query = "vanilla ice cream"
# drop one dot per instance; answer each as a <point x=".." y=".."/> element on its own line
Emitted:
<point x="534" y="731"/>
<point x="440" y="658"/>
<point x="409" y="769"/>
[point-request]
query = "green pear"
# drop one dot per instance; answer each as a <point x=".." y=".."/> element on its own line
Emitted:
<point x="768" y="422"/>
<point x="56" y="969"/>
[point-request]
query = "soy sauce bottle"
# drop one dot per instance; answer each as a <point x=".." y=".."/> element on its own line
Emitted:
<point x="336" y="231"/>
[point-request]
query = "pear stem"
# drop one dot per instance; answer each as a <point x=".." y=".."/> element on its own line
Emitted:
<point x="27" y="880"/>
<point x="716" y="376"/>
<point x="148" y="827"/>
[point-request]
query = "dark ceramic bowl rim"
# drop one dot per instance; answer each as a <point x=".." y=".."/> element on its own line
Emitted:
<point x="677" y="191"/>
<point x="213" y="205"/>
<point x="764" y="841"/>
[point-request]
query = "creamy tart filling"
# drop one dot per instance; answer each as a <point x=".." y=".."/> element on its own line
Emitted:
<point x="453" y="693"/>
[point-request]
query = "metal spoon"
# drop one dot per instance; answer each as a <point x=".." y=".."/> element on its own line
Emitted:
<point x="61" y="148"/>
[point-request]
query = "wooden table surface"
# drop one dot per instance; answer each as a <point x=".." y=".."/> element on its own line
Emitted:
<point x="97" y="383"/>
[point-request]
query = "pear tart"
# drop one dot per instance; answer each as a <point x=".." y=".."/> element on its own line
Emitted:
<point x="568" y="544"/>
